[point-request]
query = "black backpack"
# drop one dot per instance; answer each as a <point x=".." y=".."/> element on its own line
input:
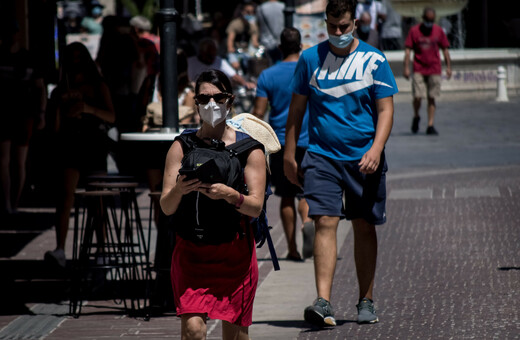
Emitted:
<point x="203" y="220"/>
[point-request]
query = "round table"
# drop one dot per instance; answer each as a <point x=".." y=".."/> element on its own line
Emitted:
<point x="149" y="136"/>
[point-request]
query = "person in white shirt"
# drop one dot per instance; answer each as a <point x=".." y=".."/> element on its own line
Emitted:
<point x="270" y="20"/>
<point x="376" y="9"/>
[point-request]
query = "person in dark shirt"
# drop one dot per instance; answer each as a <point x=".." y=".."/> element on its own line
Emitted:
<point x="82" y="107"/>
<point x="24" y="99"/>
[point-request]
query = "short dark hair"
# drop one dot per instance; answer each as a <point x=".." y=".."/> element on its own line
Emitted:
<point x="214" y="77"/>
<point x="337" y="8"/>
<point x="428" y="9"/>
<point x="290" y="41"/>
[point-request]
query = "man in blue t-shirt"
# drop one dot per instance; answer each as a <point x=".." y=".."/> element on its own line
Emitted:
<point x="349" y="88"/>
<point x="273" y="88"/>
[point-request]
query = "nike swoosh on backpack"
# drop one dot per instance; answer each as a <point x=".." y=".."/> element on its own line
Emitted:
<point x="344" y="89"/>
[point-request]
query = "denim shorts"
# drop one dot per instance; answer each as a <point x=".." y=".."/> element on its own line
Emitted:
<point x="326" y="181"/>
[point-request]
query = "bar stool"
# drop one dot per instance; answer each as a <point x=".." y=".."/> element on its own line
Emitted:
<point x="132" y="238"/>
<point x="95" y="262"/>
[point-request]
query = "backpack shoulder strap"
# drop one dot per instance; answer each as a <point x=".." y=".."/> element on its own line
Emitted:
<point x="244" y="146"/>
<point x="186" y="138"/>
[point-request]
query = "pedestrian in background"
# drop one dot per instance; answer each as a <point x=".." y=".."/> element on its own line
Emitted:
<point x="273" y="89"/>
<point x="425" y="40"/>
<point x="117" y="58"/>
<point x="391" y="29"/>
<point x="365" y="32"/>
<point x="148" y="62"/>
<point x="270" y="19"/>
<point x="143" y="29"/>
<point x="242" y="34"/>
<point x="82" y="108"/>
<point x="349" y="88"/>
<point x="92" y="24"/>
<point x="377" y="12"/>
<point x="24" y="100"/>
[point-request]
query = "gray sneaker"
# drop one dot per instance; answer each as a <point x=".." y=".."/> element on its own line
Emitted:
<point x="320" y="313"/>
<point x="366" y="311"/>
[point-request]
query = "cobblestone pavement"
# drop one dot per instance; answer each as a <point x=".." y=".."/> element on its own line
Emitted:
<point x="449" y="255"/>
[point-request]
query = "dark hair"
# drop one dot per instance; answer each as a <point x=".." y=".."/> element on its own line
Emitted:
<point x="214" y="77"/>
<point x="85" y="64"/>
<point x="337" y="8"/>
<point x="428" y="9"/>
<point x="290" y="41"/>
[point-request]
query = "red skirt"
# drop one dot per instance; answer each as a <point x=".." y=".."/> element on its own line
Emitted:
<point x="217" y="280"/>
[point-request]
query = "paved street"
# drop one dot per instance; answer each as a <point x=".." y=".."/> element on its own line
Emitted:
<point x="449" y="255"/>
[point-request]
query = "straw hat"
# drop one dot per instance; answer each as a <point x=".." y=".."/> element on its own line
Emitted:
<point x="257" y="129"/>
<point x="154" y="111"/>
<point x="141" y="22"/>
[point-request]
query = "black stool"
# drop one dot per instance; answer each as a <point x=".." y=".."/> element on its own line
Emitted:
<point x="133" y="241"/>
<point x="95" y="260"/>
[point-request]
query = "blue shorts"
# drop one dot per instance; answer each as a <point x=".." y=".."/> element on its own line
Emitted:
<point x="325" y="181"/>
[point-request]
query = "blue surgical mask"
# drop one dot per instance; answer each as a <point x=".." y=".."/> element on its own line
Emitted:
<point x="342" y="41"/>
<point x="365" y="28"/>
<point x="428" y="24"/>
<point x="97" y="11"/>
<point x="250" y="18"/>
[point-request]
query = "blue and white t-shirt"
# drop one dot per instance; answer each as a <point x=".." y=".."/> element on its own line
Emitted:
<point x="342" y="93"/>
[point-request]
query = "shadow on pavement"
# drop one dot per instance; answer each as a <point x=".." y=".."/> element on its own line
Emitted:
<point x="508" y="268"/>
<point x="26" y="281"/>
<point x="30" y="281"/>
<point x="300" y="324"/>
<point x="18" y="230"/>
<point x="37" y="282"/>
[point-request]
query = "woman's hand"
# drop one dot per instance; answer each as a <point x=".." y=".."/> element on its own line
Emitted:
<point x="218" y="191"/>
<point x="184" y="187"/>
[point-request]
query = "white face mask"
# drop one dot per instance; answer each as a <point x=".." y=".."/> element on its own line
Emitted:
<point x="213" y="113"/>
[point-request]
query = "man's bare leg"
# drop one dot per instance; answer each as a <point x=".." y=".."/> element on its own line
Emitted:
<point x="288" y="216"/>
<point x="325" y="254"/>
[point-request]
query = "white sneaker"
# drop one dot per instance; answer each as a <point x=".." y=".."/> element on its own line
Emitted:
<point x="56" y="256"/>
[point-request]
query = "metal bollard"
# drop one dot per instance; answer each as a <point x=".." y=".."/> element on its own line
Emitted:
<point x="501" y="85"/>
